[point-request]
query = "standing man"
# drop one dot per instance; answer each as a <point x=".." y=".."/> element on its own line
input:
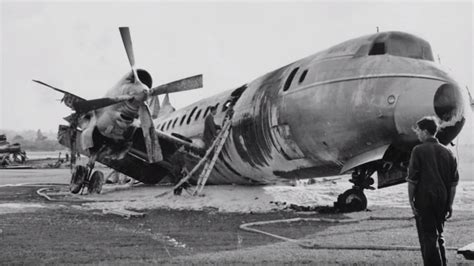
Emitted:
<point x="210" y="128"/>
<point x="432" y="179"/>
<point x="179" y="170"/>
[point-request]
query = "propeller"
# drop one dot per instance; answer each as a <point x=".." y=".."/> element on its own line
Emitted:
<point x="151" y="138"/>
<point x="81" y="107"/>
<point x="139" y="99"/>
<point x="154" y="103"/>
<point x="185" y="84"/>
<point x="152" y="144"/>
<point x="89" y="105"/>
<point x="127" y="43"/>
<point x="471" y="99"/>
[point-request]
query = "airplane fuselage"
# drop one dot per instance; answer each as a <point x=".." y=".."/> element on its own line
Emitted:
<point x="330" y="112"/>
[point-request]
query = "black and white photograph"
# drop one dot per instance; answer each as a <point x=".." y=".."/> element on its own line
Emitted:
<point x="236" y="132"/>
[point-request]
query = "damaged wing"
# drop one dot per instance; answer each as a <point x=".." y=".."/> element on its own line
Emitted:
<point x="135" y="161"/>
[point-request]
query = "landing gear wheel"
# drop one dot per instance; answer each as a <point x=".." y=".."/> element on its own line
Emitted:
<point x="352" y="200"/>
<point x="96" y="182"/>
<point x="77" y="178"/>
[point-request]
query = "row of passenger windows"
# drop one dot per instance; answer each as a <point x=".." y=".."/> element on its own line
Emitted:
<point x="172" y="123"/>
<point x="292" y="75"/>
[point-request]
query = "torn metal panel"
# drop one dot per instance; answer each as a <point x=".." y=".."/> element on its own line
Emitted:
<point x="132" y="162"/>
<point x="393" y="176"/>
<point x="251" y="130"/>
<point x="285" y="142"/>
<point x="370" y="156"/>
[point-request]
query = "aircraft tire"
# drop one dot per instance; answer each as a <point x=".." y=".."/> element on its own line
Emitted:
<point x="351" y="200"/>
<point x="96" y="182"/>
<point x="77" y="179"/>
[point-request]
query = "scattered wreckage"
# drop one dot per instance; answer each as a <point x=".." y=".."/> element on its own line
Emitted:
<point x="10" y="154"/>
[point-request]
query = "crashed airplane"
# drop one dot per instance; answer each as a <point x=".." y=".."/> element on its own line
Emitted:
<point x="347" y="109"/>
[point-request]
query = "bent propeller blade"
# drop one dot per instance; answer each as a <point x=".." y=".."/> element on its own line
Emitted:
<point x="56" y="89"/>
<point x="86" y="106"/>
<point x="127" y="43"/>
<point x="185" y="84"/>
<point x="152" y="144"/>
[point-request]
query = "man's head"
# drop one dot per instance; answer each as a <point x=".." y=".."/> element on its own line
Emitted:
<point x="426" y="127"/>
<point x="213" y="110"/>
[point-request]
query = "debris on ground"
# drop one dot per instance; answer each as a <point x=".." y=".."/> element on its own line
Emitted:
<point x="467" y="251"/>
<point x="309" y="208"/>
<point x="124" y="213"/>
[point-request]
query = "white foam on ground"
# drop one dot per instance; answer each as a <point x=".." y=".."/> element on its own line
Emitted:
<point x="259" y="199"/>
<point x="19" y="207"/>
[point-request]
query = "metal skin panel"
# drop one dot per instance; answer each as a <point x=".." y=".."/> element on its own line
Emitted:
<point x="195" y="128"/>
<point x="346" y="109"/>
<point x="338" y="113"/>
<point x="131" y="162"/>
<point x="369" y="156"/>
<point x="337" y="119"/>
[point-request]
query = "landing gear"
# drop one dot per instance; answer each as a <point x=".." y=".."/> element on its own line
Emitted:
<point x="78" y="177"/>
<point x="351" y="200"/>
<point x="96" y="182"/>
<point x="354" y="198"/>
<point x="84" y="177"/>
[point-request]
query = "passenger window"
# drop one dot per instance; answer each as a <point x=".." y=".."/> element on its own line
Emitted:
<point x="303" y="76"/>
<point x="169" y="124"/>
<point x="205" y="113"/>
<point x="197" y="115"/>
<point x="176" y="120"/>
<point x="191" y="115"/>
<point x="290" y="79"/>
<point x="182" y="120"/>
<point x="163" y="127"/>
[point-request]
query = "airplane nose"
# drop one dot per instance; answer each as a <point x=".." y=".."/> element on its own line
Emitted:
<point x="447" y="102"/>
<point x="432" y="98"/>
<point x="449" y="107"/>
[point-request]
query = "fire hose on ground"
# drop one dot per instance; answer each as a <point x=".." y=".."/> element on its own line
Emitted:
<point x="305" y="244"/>
<point x="466" y="251"/>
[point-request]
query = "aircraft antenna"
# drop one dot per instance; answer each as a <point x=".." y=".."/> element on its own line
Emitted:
<point x="377" y="29"/>
<point x="471" y="100"/>
<point x="457" y="149"/>
<point x="439" y="59"/>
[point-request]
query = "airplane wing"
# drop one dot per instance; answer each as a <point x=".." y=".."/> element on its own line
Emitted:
<point x="135" y="162"/>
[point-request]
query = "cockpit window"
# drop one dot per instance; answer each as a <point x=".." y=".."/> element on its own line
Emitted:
<point x="401" y="44"/>
<point x="377" y="48"/>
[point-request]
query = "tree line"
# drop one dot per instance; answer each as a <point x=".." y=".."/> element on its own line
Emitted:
<point x="32" y="140"/>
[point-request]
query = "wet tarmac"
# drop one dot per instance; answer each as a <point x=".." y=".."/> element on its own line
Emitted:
<point x="62" y="232"/>
<point x="35" y="230"/>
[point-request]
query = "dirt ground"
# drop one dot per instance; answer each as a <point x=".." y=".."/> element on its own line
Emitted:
<point x="62" y="232"/>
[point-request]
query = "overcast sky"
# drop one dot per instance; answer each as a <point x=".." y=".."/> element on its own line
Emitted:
<point x="77" y="46"/>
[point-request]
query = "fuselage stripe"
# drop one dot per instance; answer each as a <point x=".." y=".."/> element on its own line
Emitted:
<point x="315" y="84"/>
